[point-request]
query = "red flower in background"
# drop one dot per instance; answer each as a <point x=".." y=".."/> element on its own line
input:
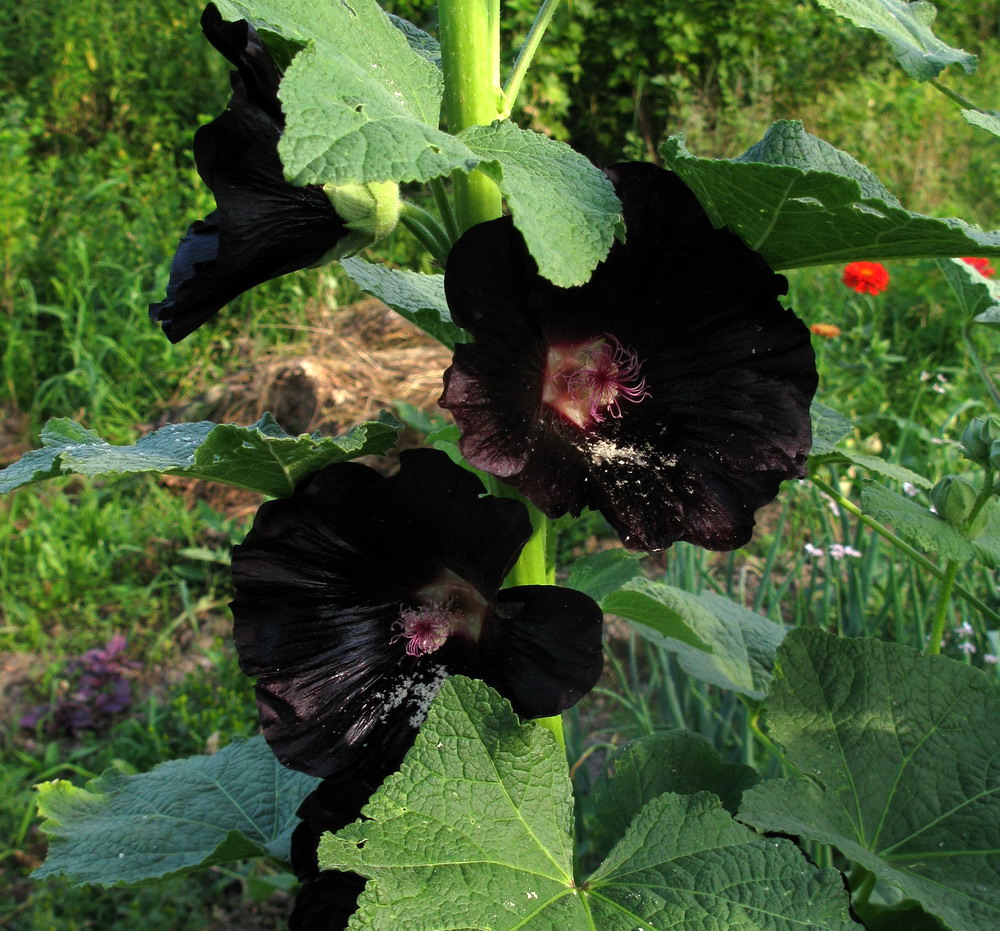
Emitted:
<point x="980" y="265"/>
<point x="866" y="277"/>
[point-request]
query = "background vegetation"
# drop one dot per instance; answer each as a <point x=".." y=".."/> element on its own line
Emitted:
<point x="99" y="106"/>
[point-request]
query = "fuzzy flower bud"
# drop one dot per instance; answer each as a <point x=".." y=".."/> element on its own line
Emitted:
<point x="370" y="211"/>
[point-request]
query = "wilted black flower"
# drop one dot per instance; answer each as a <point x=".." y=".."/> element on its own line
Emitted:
<point x="671" y="391"/>
<point x="358" y="595"/>
<point x="262" y="227"/>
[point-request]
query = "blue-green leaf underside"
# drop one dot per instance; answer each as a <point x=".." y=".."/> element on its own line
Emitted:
<point x="799" y="201"/>
<point x="261" y="457"/>
<point x="715" y="639"/>
<point x="416" y="297"/>
<point x="907" y="29"/>
<point x="182" y="816"/>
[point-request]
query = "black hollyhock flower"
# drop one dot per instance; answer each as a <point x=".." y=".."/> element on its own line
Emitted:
<point x="358" y="595"/>
<point x="263" y="226"/>
<point x="327" y="898"/>
<point x="671" y="391"/>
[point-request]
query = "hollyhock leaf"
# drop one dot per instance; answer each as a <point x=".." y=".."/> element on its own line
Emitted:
<point x="564" y="206"/>
<point x="260" y="457"/>
<point x="828" y="428"/>
<point x="599" y="574"/>
<point x="976" y="294"/>
<point x="685" y="863"/>
<point x="907" y="29"/>
<point x="879" y="466"/>
<point x="800" y="209"/>
<point x="181" y="816"/>
<point x="715" y="639"/>
<point x="474" y="831"/>
<point x="677" y="761"/>
<point x="988" y="120"/>
<point x="360" y="103"/>
<point x="416" y="297"/>
<point x="898" y="752"/>
<point x="914" y="522"/>
<point x="424" y="44"/>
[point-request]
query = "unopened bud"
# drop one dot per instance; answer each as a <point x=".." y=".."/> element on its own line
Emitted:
<point x="369" y="211"/>
<point x="953" y="498"/>
<point x="980" y="438"/>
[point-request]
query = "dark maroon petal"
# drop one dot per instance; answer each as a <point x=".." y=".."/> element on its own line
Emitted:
<point x="728" y="373"/>
<point x="327" y="902"/>
<point x="321" y="580"/>
<point x="263" y="226"/>
<point x="545" y="652"/>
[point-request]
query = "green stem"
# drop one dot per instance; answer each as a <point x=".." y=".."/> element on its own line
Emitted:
<point x="538" y="27"/>
<point x="991" y="386"/>
<point x="941" y="607"/>
<point x="445" y="209"/>
<point x="427" y="231"/>
<point x="863" y="881"/>
<point x="902" y="546"/>
<point x="954" y="95"/>
<point x="470" y="44"/>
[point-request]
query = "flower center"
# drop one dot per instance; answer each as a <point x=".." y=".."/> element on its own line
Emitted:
<point x="447" y="606"/>
<point x="584" y="382"/>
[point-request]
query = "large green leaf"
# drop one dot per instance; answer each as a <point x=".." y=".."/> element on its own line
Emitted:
<point x="899" y="753"/>
<point x="419" y="298"/>
<point x="715" y="639"/>
<point x="360" y="103"/>
<point x="261" y="457"/>
<point x="474" y="832"/>
<point x="915" y="523"/>
<point x="977" y="295"/>
<point x="676" y="761"/>
<point x="684" y="863"/>
<point x="181" y="816"/>
<point x="830" y="428"/>
<point x="907" y="29"/>
<point x="476" y="826"/>
<point x="799" y="201"/>
<point x="984" y="119"/>
<point x="600" y="573"/>
<point x="564" y="206"/>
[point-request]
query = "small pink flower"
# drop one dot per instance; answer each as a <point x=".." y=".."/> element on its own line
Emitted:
<point x="980" y="265"/>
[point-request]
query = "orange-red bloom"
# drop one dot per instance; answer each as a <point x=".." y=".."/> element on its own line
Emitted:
<point x="980" y="265"/>
<point x="866" y="277"/>
<point x="826" y="330"/>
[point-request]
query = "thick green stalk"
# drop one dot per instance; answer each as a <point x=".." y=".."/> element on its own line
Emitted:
<point x="470" y="45"/>
<point x="470" y="59"/>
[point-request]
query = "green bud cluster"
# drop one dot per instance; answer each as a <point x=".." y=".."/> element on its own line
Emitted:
<point x="981" y="441"/>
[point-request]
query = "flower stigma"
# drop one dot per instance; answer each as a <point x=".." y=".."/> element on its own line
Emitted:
<point x="447" y="606"/>
<point x="584" y="382"/>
